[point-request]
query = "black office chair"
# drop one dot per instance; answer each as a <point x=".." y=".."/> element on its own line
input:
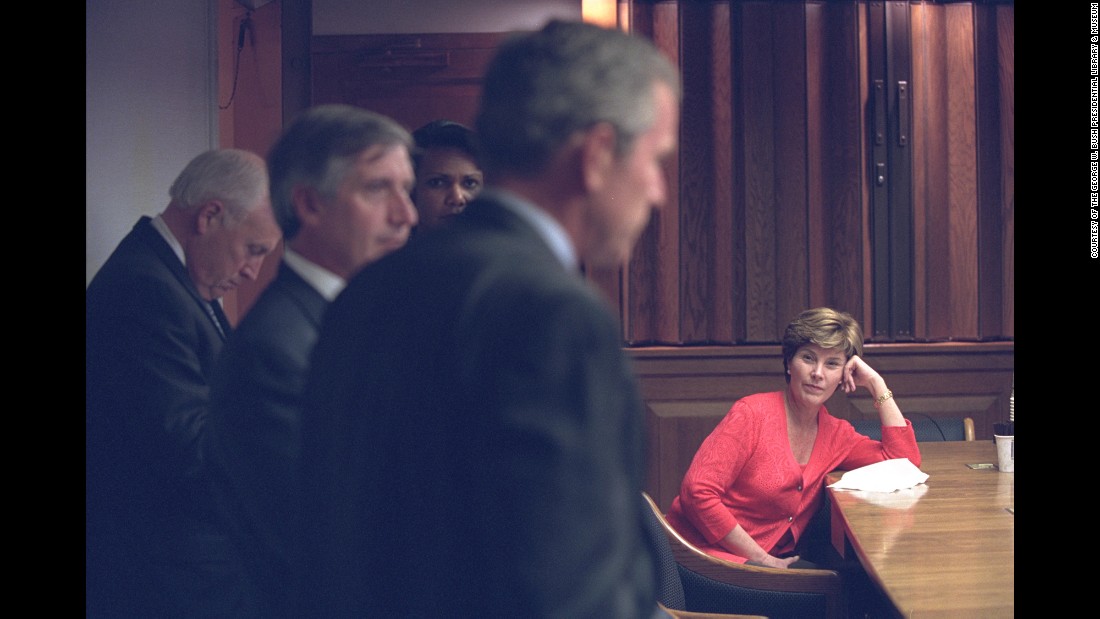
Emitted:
<point x="691" y="580"/>
<point x="670" y="589"/>
<point x="926" y="428"/>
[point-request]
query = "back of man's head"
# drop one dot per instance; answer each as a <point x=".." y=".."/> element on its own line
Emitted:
<point x="237" y="178"/>
<point x="317" y="150"/>
<point x="544" y="86"/>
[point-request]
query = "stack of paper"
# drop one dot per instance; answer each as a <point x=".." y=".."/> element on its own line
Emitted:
<point x="885" y="476"/>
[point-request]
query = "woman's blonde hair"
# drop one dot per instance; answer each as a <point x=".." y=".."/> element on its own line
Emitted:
<point x="826" y="327"/>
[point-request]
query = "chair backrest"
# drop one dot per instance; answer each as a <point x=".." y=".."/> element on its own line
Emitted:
<point x="926" y="428"/>
<point x="670" y="590"/>
<point x="711" y="584"/>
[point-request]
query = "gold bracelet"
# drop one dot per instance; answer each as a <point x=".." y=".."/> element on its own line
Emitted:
<point x="882" y="398"/>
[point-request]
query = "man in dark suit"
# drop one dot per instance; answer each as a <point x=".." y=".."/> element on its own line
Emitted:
<point x="340" y="183"/>
<point x="472" y="437"/>
<point x="154" y="327"/>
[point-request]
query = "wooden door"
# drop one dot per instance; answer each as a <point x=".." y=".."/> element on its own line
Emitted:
<point x="412" y="78"/>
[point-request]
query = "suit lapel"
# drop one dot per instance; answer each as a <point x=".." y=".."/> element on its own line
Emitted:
<point x="302" y="294"/>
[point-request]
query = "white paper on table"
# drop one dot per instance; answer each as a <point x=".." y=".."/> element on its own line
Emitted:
<point x="885" y="476"/>
<point x="898" y="499"/>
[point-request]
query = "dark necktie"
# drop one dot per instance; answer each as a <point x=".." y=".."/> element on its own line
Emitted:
<point x="218" y="316"/>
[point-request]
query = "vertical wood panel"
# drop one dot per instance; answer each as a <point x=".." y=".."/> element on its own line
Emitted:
<point x="924" y="142"/>
<point x="817" y="156"/>
<point x="652" y="308"/>
<point x="796" y="219"/>
<point x="987" y="69"/>
<point x="696" y="175"/>
<point x="296" y="28"/>
<point x="962" y="173"/>
<point x="373" y="71"/>
<point x="758" y="122"/>
<point x="738" y="175"/>
<point x="841" y="165"/>
<point x="1006" y="41"/>
<point x="862" y="64"/>
<point x="705" y="249"/>
<point x="726" y="293"/>
<point x="932" y="162"/>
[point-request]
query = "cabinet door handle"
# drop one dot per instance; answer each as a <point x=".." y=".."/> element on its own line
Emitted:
<point x="903" y="113"/>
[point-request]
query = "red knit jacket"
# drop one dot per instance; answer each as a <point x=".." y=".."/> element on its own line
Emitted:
<point x="745" y="473"/>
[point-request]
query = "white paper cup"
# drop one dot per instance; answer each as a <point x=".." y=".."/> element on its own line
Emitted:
<point x="1006" y="453"/>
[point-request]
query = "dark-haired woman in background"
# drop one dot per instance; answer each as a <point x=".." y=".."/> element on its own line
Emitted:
<point x="448" y="175"/>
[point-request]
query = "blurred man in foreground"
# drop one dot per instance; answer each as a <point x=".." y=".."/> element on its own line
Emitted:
<point x="473" y="441"/>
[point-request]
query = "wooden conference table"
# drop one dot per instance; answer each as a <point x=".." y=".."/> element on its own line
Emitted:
<point x="944" y="548"/>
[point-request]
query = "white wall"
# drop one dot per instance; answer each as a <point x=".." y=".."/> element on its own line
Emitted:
<point x="150" y="106"/>
<point x="151" y="88"/>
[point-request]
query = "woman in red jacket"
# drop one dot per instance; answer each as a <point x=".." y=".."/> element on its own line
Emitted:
<point x="757" y="480"/>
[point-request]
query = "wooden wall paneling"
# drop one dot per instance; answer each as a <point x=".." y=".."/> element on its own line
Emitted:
<point x="1006" y="24"/>
<point x="687" y="391"/>
<point x="943" y="379"/>
<point x="840" y="266"/>
<point x="930" y="190"/>
<point x="800" y="247"/>
<point x="844" y="170"/>
<point x="758" y="126"/>
<point x="706" y="235"/>
<point x="962" y="172"/>
<point x="989" y="152"/>
<point x="296" y="21"/>
<point x="413" y="78"/>
<point x="726" y="295"/>
<point x="674" y="432"/>
<point x="650" y="306"/>
<point x="738" y="266"/>
<point x="818" y="159"/>
<point x="862" y="64"/>
<point x="925" y="142"/>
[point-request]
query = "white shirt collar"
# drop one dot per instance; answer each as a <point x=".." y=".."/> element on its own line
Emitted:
<point x="547" y="227"/>
<point x="327" y="283"/>
<point x="162" y="227"/>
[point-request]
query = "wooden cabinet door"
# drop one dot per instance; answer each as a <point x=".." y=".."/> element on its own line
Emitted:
<point x="412" y="78"/>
